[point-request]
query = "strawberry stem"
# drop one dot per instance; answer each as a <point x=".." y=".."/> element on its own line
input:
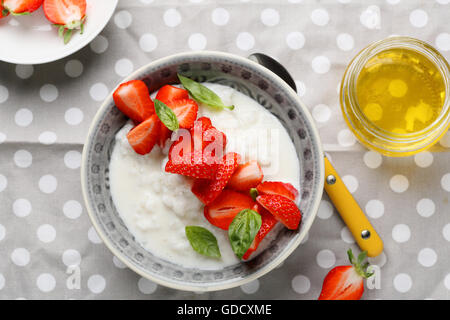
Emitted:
<point x="253" y="193"/>
<point x="360" y="268"/>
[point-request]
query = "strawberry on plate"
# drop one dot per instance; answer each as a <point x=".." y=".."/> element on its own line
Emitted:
<point x="225" y="207"/>
<point x="186" y="111"/>
<point x="21" y="7"/>
<point x="246" y="176"/>
<point x="282" y="208"/>
<point x="274" y="187"/>
<point x="133" y="99"/>
<point x="143" y="137"/>
<point x="168" y="93"/>
<point x="346" y="282"/>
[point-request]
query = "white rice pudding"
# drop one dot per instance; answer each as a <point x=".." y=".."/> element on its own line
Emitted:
<point x="156" y="205"/>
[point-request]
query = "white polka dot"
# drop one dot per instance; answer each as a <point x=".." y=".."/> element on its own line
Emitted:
<point x="220" y="16"/>
<point x="146" y="286"/>
<point x="197" y="41"/>
<point x="443" y="1"/>
<point x="320" y="17"/>
<point x="98" y="91"/>
<point x="425" y="207"/>
<point x="123" y="19"/>
<point x="442" y="42"/>
<point x="427" y="257"/>
<point x="2" y="232"/>
<point x="48" y="183"/>
<point x="99" y="44"/>
<point x="96" y="283"/>
<point x="73" y="68"/>
<point x="72" y="209"/>
<point x="445" y="182"/>
<point x="446" y="232"/>
<point x="325" y="210"/>
<point x="245" y="41"/>
<point x="124" y="67"/>
<point x="371" y="17"/>
<point x="172" y="18"/>
<point x="379" y="260"/>
<point x="71" y="257"/>
<point x="447" y="281"/>
<point x="48" y="93"/>
<point x="2" y="137"/>
<point x="46" y="282"/>
<point x="401" y="233"/>
<point x="347" y="236"/>
<point x="321" y="113"/>
<point x="399" y="183"/>
<point x="351" y="183"/>
<point x="23" y="158"/>
<point x="301" y="284"/>
<point x="93" y="236"/>
<point x="24" y="71"/>
<point x="47" y="137"/>
<point x="119" y="264"/>
<point x="251" y="287"/>
<point x="325" y="259"/>
<point x="22" y="208"/>
<point x="3" y="182"/>
<point x="20" y="257"/>
<point x="46" y="233"/>
<point x="372" y="159"/>
<point x="393" y="2"/>
<point x="346" y="138"/>
<point x="72" y="159"/>
<point x="148" y="42"/>
<point x="402" y="282"/>
<point x="321" y="64"/>
<point x="295" y="40"/>
<point x="418" y="18"/>
<point x="73" y="116"/>
<point x="375" y="209"/>
<point x="23" y="117"/>
<point x="4" y="94"/>
<point x="270" y="17"/>
<point x="2" y="281"/>
<point x="423" y="159"/>
<point x="345" y="42"/>
<point x="301" y="88"/>
<point x="445" y="140"/>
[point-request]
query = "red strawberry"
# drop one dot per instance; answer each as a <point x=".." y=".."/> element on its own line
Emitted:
<point x="283" y="209"/>
<point x="168" y="93"/>
<point x="273" y="187"/>
<point x="268" y="221"/>
<point x="18" y="7"/>
<point x="67" y="15"/>
<point x="186" y="111"/>
<point x="206" y="191"/>
<point x="246" y="176"/>
<point x="193" y="165"/>
<point x="133" y="99"/>
<point x="3" y="12"/>
<point x="204" y="134"/>
<point x="346" y="282"/>
<point x="225" y="207"/>
<point x="144" y="136"/>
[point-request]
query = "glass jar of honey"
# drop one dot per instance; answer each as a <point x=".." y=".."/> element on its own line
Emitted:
<point x="395" y="96"/>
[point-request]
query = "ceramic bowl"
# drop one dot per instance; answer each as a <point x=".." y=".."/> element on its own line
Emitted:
<point x="253" y="80"/>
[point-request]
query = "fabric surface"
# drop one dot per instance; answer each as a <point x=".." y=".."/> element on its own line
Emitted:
<point x="46" y="111"/>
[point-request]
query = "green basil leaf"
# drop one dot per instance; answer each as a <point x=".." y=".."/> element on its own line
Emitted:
<point x="243" y="230"/>
<point x="203" y="241"/>
<point x="202" y="94"/>
<point x="166" y="115"/>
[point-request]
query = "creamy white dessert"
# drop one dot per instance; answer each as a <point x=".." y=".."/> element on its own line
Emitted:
<point x="156" y="206"/>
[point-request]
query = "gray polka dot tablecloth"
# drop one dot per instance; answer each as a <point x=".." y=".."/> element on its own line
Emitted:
<point x="46" y="110"/>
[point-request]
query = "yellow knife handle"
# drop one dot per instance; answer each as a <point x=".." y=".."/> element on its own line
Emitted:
<point x="355" y="219"/>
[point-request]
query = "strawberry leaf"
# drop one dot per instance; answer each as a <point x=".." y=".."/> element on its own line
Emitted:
<point x="166" y="115"/>
<point x="243" y="230"/>
<point x="203" y="241"/>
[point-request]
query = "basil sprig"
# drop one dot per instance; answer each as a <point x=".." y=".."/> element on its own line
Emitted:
<point x="202" y="94"/>
<point x="166" y="115"/>
<point x="203" y="241"/>
<point x="243" y="230"/>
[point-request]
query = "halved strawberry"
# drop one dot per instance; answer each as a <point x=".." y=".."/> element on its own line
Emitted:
<point x="268" y="221"/>
<point x="204" y="133"/>
<point x="193" y="165"/>
<point x="207" y="191"/>
<point x="225" y="207"/>
<point x="282" y="208"/>
<point x="186" y="111"/>
<point x="246" y="176"/>
<point x="274" y="187"/>
<point x="168" y="93"/>
<point x="20" y="7"/>
<point x="143" y="137"/>
<point x="164" y="135"/>
<point x="66" y="14"/>
<point x="133" y="99"/>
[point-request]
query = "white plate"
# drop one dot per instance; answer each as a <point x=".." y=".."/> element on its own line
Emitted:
<point x="33" y="39"/>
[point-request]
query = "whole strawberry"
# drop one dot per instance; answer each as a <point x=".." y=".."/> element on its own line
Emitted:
<point x="346" y="282"/>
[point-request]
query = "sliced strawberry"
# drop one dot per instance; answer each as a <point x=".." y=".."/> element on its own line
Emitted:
<point x="143" y="137"/>
<point x="225" y="207"/>
<point x="246" y="176"/>
<point x="192" y="166"/>
<point x="67" y="15"/>
<point x="3" y="12"/>
<point x="273" y="187"/>
<point x="18" y="7"/>
<point x="186" y="111"/>
<point x="133" y="99"/>
<point x="206" y="191"/>
<point x="168" y="93"/>
<point x="164" y="135"/>
<point x="283" y="209"/>
<point x="268" y="221"/>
